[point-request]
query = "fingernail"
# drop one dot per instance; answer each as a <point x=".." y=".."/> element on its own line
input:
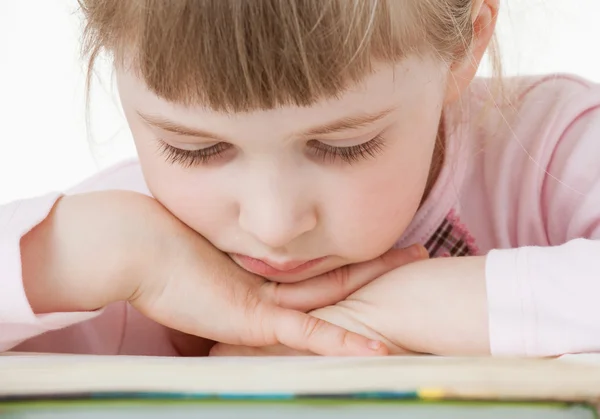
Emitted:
<point x="417" y="251"/>
<point x="374" y="345"/>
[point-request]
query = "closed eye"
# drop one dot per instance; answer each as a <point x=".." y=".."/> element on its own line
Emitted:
<point x="352" y="154"/>
<point x="323" y="152"/>
<point x="190" y="158"/>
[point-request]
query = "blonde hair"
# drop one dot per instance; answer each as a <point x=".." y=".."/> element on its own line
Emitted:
<point x="236" y="56"/>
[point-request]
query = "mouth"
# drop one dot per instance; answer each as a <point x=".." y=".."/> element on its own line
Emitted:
<point x="268" y="268"/>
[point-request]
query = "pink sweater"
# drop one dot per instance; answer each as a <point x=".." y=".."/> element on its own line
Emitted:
<point x="521" y="183"/>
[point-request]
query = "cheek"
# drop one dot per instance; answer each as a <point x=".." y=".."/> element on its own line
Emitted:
<point x="378" y="204"/>
<point x="375" y="211"/>
<point x="192" y="196"/>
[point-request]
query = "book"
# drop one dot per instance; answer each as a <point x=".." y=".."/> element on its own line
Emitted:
<point x="81" y="386"/>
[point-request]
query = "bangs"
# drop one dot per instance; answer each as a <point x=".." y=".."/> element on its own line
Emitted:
<point x="239" y="56"/>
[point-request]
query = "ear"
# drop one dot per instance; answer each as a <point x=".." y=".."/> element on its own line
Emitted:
<point x="484" y="16"/>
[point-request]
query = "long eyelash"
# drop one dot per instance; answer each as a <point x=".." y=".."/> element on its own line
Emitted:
<point x="190" y="158"/>
<point x="351" y="154"/>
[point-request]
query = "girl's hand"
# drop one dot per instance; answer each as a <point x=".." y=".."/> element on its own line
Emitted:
<point x="436" y="306"/>
<point x="336" y="314"/>
<point x="323" y="290"/>
<point x="98" y="248"/>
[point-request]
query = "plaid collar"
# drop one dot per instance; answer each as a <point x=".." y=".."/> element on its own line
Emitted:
<point x="451" y="239"/>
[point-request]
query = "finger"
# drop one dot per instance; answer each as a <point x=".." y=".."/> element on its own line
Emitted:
<point x="336" y="285"/>
<point x="222" y="349"/>
<point x="306" y="333"/>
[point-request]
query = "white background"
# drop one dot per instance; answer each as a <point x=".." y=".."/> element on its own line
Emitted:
<point x="44" y="144"/>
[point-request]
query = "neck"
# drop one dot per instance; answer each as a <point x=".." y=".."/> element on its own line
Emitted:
<point x="437" y="161"/>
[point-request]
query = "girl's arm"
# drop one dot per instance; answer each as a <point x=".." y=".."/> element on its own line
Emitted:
<point x="18" y="321"/>
<point x="435" y="306"/>
<point x="61" y="262"/>
<point x="530" y="301"/>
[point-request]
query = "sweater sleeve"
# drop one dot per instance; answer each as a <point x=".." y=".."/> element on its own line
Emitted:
<point x="17" y="320"/>
<point x="117" y="328"/>
<point x="545" y="300"/>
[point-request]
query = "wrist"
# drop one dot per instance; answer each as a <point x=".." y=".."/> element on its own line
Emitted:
<point x="445" y="300"/>
<point x="435" y="306"/>
<point x="348" y="316"/>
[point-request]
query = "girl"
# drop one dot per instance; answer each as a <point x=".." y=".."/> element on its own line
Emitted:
<point x="291" y="139"/>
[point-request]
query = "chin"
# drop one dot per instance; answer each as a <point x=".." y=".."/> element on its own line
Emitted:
<point x="296" y="278"/>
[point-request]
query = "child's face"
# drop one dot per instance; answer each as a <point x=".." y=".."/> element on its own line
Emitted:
<point x="272" y="194"/>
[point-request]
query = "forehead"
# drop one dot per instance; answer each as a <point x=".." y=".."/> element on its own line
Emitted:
<point x="389" y="85"/>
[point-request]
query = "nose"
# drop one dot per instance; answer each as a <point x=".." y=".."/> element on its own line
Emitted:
<point x="276" y="214"/>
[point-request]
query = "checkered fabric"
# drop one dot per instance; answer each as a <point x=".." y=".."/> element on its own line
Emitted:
<point x="451" y="239"/>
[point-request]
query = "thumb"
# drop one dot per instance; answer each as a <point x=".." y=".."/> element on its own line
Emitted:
<point x="334" y="286"/>
<point x="306" y="333"/>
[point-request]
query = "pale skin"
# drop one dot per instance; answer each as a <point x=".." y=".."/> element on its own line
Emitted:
<point x="436" y="306"/>
<point x="269" y="196"/>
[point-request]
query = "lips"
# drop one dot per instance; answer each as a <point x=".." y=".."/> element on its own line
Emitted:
<point x="269" y="268"/>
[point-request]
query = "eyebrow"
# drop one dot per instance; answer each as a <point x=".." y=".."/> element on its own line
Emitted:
<point x="343" y="124"/>
<point x="171" y="126"/>
<point x="350" y="123"/>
